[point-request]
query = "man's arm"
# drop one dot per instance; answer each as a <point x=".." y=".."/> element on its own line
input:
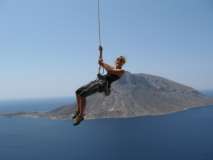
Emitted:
<point x="104" y="65"/>
<point x="110" y="69"/>
<point x="107" y="66"/>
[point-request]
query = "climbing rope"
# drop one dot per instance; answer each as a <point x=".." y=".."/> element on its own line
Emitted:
<point x="99" y="24"/>
<point x="99" y="36"/>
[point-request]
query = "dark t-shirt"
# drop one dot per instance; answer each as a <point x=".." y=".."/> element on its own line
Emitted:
<point x="111" y="78"/>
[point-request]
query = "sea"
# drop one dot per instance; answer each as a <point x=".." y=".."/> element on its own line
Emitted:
<point x="186" y="135"/>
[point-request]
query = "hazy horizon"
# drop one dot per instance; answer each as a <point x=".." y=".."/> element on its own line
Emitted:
<point x="45" y="44"/>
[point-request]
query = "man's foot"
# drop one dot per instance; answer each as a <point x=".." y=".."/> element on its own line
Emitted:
<point x="75" y="114"/>
<point x="78" y="120"/>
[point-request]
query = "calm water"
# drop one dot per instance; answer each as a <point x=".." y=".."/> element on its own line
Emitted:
<point x="208" y="93"/>
<point x="180" y="136"/>
<point x="29" y="105"/>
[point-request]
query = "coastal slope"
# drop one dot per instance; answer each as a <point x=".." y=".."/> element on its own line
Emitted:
<point x="135" y="94"/>
<point x="144" y="94"/>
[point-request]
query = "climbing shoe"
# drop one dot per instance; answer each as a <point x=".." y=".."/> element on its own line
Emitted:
<point x="78" y="120"/>
<point x="75" y="114"/>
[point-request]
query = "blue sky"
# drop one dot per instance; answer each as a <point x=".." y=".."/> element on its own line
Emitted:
<point x="49" y="47"/>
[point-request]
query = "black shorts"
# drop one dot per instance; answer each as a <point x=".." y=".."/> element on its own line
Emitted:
<point x="91" y="88"/>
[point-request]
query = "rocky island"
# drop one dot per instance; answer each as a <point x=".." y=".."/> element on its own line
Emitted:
<point x="133" y="95"/>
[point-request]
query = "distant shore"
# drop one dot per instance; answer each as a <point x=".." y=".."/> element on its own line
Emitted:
<point x="50" y="116"/>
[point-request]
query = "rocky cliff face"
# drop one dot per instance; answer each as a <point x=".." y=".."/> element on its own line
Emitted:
<point x="137" y="95"/>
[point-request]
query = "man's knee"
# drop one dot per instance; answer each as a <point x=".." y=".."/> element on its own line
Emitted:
<point x="83" y="94"/>
<point x="77" y="92"/>
<point x="80" y="92"/>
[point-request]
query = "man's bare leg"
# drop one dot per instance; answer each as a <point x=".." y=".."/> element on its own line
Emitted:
<point x="80" y="116"/>
<point x="82" y="105"/>
<point x="77" y="111"/>
<point x="78" y="102"/>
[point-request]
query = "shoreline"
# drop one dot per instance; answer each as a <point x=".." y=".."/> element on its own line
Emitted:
<point x="47" y="115"/>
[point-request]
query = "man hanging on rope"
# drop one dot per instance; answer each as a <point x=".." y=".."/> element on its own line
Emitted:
<point x="102" y="84"/>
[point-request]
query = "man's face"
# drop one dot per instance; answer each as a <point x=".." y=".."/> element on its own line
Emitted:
<point x="118" y="62"/>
